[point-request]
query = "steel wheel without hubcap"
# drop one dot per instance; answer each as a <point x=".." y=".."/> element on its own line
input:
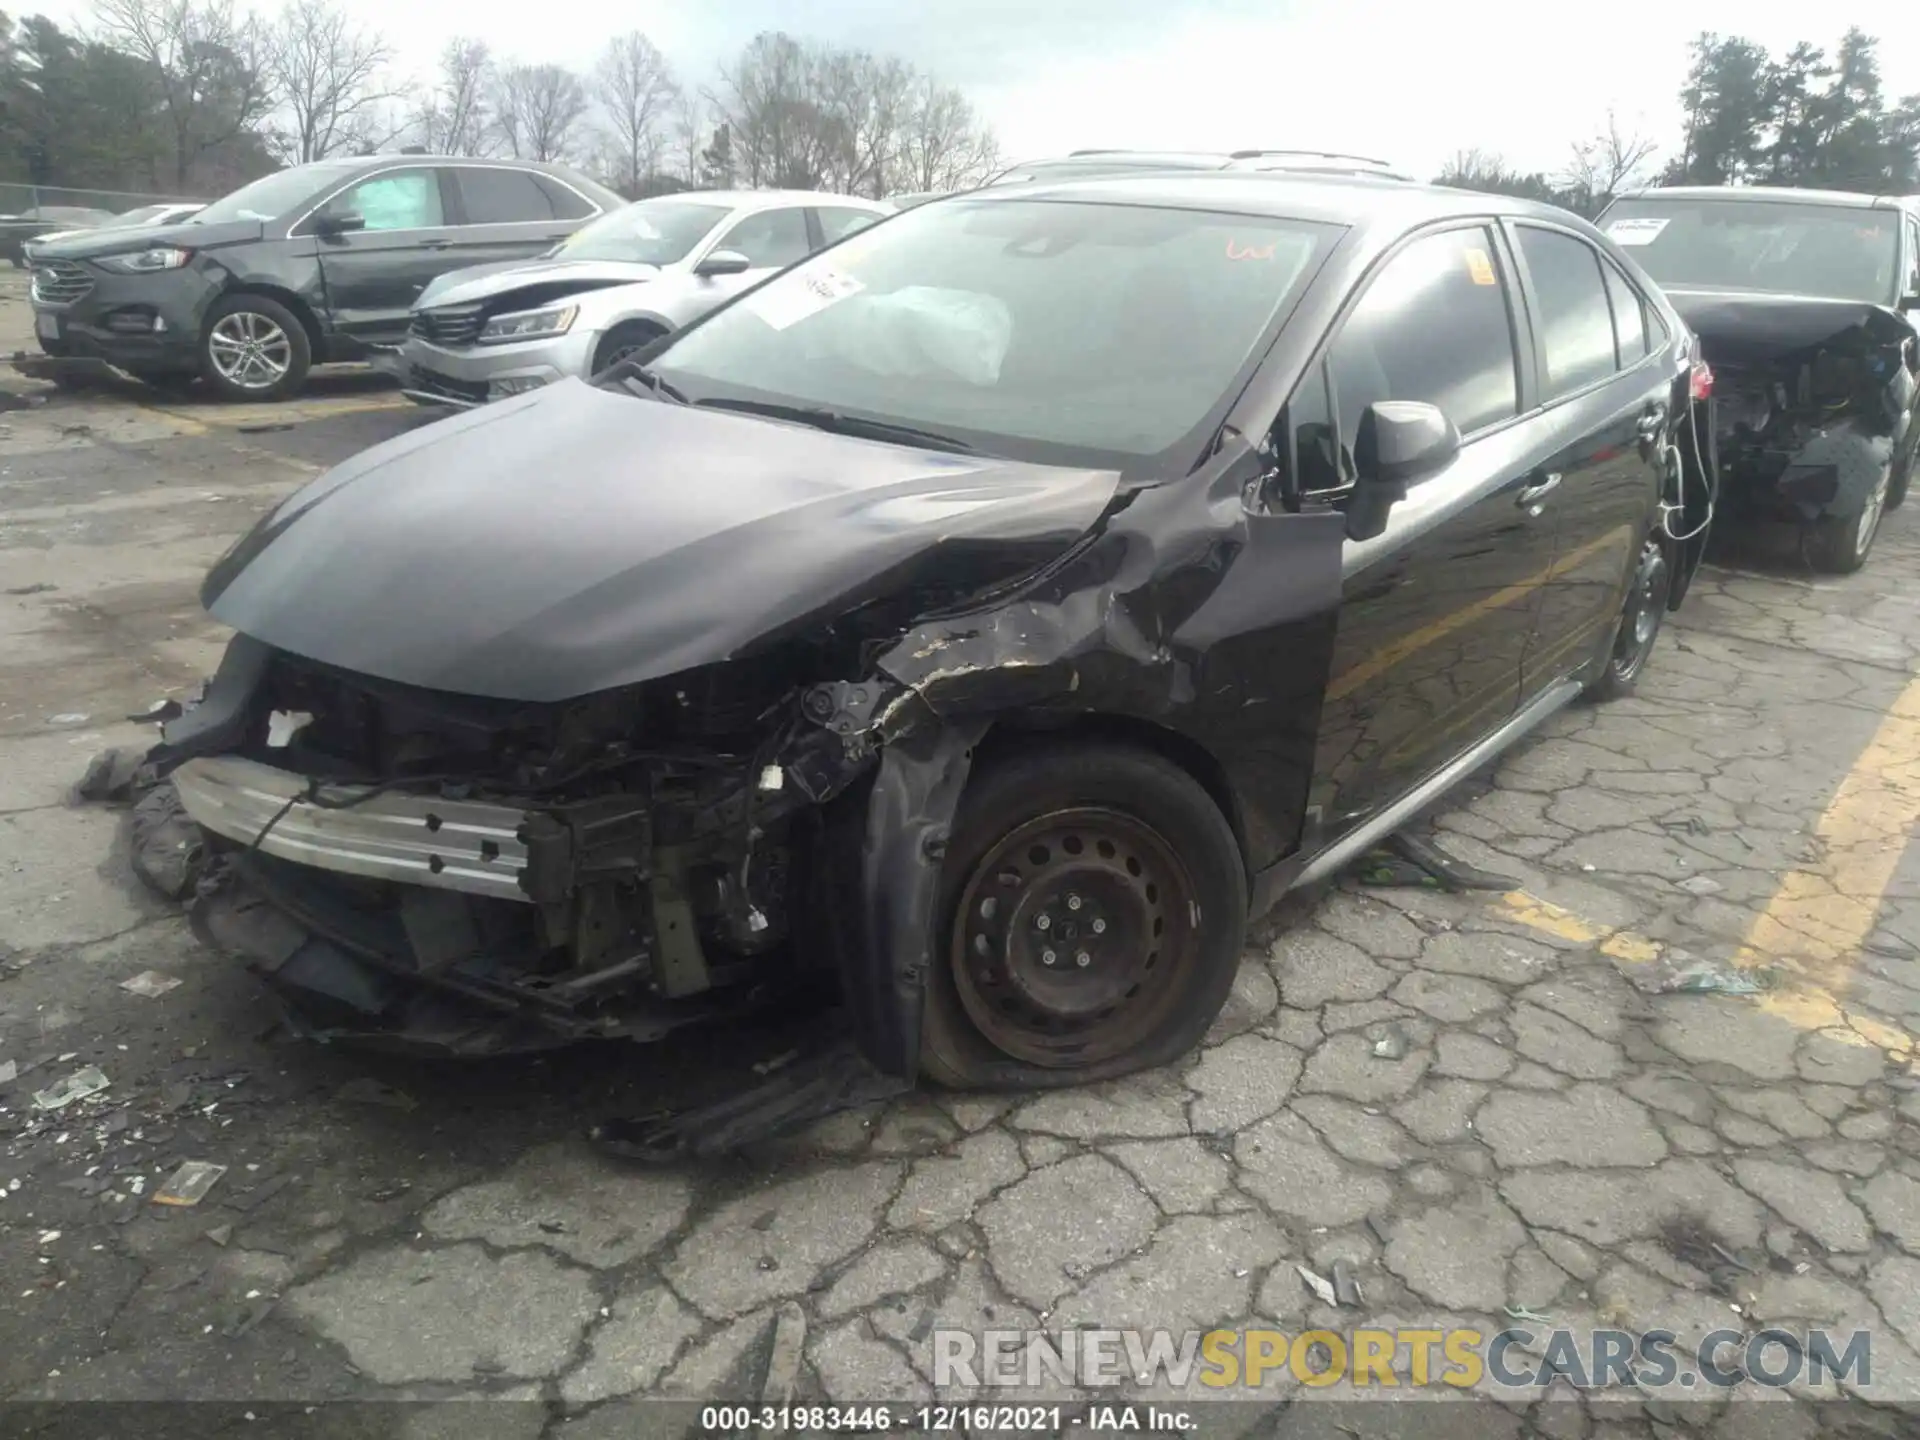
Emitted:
<point x="250" y="350"/>
<point x="1074" y="937"/>
<point x="1646" y="608"/>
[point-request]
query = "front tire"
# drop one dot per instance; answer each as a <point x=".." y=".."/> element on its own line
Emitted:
<point x="254" y="348"/>
<point x="1093" y="910"/>
<point x="1641" y="616"/>
<point x="1840" y="544"/>
<point x="624" y="340"/>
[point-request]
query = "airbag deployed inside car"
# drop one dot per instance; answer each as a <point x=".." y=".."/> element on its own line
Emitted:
<point x="922" y="330"/>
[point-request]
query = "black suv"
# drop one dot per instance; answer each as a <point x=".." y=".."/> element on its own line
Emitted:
<point x="310" y="265"/>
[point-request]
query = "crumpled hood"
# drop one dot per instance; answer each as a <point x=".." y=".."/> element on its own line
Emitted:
<point x="580" y="539"/>
<point x="103" y="241"/>
<point x="1741" y="327"/>
<point x="554" y="277"/>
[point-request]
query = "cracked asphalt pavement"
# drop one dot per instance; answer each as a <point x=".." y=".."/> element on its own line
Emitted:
<point x="1484" y="1105"/>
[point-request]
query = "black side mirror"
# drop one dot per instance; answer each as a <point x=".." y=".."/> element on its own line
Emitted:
<point x="1399" y="443"/>
<point x="723" y="262"/>
<point x="345" y="222"/>
<point x="1909" y="303"/>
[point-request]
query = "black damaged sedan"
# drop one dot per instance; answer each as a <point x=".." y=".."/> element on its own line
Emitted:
<point x="984" y="617"/>
<point x="1801" y="301"/>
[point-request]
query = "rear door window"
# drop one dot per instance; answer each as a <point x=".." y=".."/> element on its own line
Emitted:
<point x="1434" y="325"/>
<point x="838" y="222"/>
<point x="1575" y="321"/>
<point x="495" y="196"/>
<point x="1629" y="316"/>
<point x="567" y="202"/>
<point x="770" y="238"/>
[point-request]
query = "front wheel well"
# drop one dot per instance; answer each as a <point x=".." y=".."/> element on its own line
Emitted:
<point x="642" y="327"/>
<point x="302" y="311"/>
<point x="1177" y="749"/>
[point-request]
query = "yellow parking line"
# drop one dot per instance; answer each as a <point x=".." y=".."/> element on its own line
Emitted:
<point x="1821" y="914"/>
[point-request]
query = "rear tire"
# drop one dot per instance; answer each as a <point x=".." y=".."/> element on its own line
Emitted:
<point x="1098" y="851"/>
<point x="1840" y="544"/>
<point x="623" y="340"/>
<point x="1641" y="616"/>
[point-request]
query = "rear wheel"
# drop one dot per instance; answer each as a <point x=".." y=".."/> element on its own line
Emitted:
<point x="1839" y="544"/>
<point x="1094" y="906"/>
<point x="623" y="341"/>
<point x="254" y="348"/>
<point x="1641" y="616"/>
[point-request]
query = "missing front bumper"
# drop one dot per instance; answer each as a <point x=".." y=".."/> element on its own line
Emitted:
<point x="462" y="845"/>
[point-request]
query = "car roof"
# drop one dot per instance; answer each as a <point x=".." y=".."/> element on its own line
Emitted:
<point x="762" y="199"/>
<point x="1771" y="194"/>
<point x="1317" y="161"/>
<point x="1356" y="201"/>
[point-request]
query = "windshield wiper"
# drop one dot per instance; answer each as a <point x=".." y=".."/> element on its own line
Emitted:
<point x="637" y="379"/>
<point x="821" y="418"/>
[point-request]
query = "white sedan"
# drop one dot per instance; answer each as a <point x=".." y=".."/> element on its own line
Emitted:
<point x="608" y="291"/>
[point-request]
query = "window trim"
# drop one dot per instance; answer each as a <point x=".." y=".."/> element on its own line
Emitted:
<point x="1648" y="346"/>
<point x="449" y="195"/>
<point x="466" y="219"/>
<point x="1513" y="225"/>
<point x="1519" y="334"/>
<point x="1910" y="244"/>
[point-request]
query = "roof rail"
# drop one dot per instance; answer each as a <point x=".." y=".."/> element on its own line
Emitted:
<point x="1317" y="154"/>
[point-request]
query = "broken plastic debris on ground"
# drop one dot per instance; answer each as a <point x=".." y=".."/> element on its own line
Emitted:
<point x="90" y="1080"/>
<point x="190" y="1183"/>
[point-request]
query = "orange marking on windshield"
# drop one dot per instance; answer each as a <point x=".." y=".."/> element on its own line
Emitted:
<point x="1237" y="251"/>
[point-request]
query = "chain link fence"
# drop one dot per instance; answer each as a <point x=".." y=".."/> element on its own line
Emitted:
<point x="18" y="199"/>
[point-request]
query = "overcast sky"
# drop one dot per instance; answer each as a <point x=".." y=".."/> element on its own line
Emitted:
<point x="1408" y="82"/>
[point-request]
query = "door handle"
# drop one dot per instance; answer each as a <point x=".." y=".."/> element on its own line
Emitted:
<point x="435" y="244"/>
<point x="1531" y="495"/>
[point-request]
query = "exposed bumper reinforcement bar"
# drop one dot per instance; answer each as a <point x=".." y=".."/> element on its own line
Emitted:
<point x="417" y="840"/>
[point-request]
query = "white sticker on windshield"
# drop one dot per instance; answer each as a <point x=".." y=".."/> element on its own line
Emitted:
<point x="786" y="303"/>
<point x="1641" y="231"/>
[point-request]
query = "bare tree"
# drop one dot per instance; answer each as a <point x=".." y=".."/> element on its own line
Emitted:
<point x="207" y="62"/>
<point x="687" y="135"/>
<point x="537" y="109"/>
<point x="780" y="134"/>
<point x="943" y="144"/>
<point x="1608" y="163"/>
<point x="328" y="73"/>
<point x="453" y="118"/>
<point x="868" y="102"/>
<point x="806" y="115"/>
<point x="637" y="93"/>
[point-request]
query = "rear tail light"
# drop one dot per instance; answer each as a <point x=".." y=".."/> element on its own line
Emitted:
<point x="1700" y="382"/>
